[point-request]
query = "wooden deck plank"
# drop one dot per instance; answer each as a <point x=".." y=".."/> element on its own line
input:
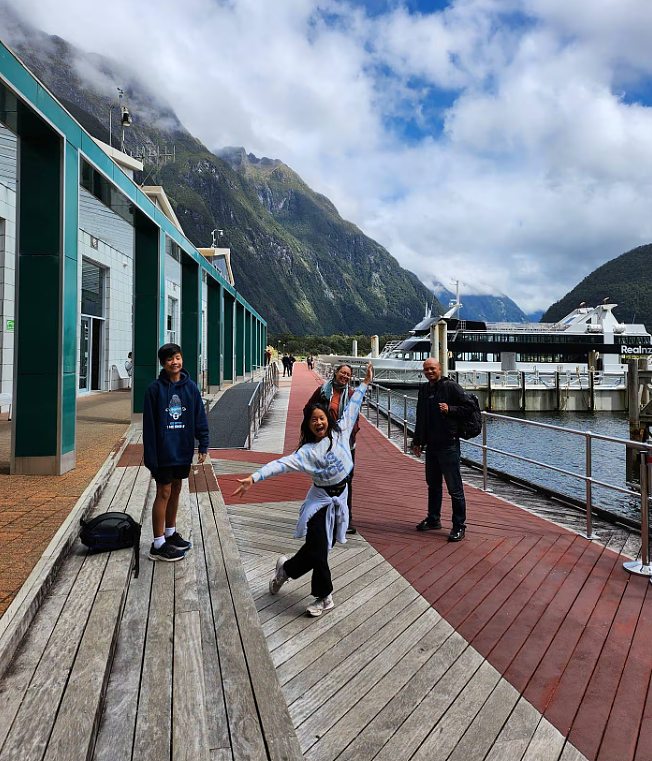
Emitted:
<point x="189" y="733"/>
<point x="154" y="717"/>
<point x="35" y="718"/>
<point x="116" y="734"/>
<point x="246" y="736"/>
<point x="388" y="721"/>
<point x="217" y="726"/>
<point x="301" y="670"/>
<point x="484" y="730"/>
<point x="546" y="743"/>
<point x="75" y="728"/>
<point x="280" y="738"/>
<point x="320" y="708"/>
<point x="427" y="714"/>
<point x="367" y="707"/>
<point x="516" y="733"/>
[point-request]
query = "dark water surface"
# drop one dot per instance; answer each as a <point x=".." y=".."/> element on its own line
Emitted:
<point x="558" y="448"/>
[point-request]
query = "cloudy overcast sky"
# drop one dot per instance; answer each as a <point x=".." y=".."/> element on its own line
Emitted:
<point x="507" y="143"/>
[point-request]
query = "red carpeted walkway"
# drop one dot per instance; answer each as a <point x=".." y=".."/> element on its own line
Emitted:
<point x="554" y="613"/>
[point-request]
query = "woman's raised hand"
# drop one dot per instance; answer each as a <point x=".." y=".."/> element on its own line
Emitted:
<point x="245" y="483"/>
<point x="370" y="373"/>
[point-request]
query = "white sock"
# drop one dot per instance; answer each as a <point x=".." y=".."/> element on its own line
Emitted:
<point x="159" y="541"/>
<point x="170" y="531"/>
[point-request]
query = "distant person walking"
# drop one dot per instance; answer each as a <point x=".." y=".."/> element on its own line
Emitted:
<point x="335" y="395"/>
<point x="129" y="366"/>
<point x="324" y="453"/>
<point x="310" y="361"/>
<point x="291" y="361"/>
<point x="268" y="357"/>
<point x="441" y="404"/>
<point x="173" y="417"/>
<point x="285" y="361"/>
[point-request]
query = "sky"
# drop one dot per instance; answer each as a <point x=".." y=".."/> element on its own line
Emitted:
<point x="505" y="143"/>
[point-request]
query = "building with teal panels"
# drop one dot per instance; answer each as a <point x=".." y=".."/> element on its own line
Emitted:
<point x="92" y="267"/>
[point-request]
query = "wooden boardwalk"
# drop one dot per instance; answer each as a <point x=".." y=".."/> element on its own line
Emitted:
<point x="170" y="665"/>
<point x="524" y="641"/>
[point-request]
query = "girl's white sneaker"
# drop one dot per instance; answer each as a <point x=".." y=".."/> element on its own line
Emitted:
<point x="320" y="605"/>
<point x="279" y="578"/>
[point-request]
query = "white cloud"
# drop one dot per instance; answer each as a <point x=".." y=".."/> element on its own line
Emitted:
<point x="541" y="171"/>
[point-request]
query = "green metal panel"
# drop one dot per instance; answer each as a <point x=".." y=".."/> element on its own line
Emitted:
<point x="162" y="307"/>
<point x="190" y="315"/>
<point x="70" y="297"/>
<point x="147" y="260"/>
<point x="239" y="338"/>
<point x="248" y="341"/>
<point x="214" y="334"/>
<point x="228" y="333"/>
<point x="38" y="288"/>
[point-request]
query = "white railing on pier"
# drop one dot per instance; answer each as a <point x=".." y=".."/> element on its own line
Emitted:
<point x="261" y="398"/>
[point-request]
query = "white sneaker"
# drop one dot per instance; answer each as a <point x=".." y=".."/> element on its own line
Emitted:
<point x="279" y="578"/>
<point x="320" y="605"/>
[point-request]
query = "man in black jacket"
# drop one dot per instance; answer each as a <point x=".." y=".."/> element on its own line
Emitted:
<point x="441" y="405"/>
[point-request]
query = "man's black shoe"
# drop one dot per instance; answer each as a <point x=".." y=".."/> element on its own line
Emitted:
<point x="351" y="529"/>
<point x="456" y="534"/>
<point x="427" y="524"/>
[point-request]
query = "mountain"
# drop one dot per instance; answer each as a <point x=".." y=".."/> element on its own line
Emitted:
<point x="302" y="266"/>
<point x="485" y="307"/>
<point x="535" y="316"/>
<point x="625" y="280"/>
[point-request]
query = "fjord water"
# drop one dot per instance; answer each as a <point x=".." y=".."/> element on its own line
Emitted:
<point x="558" y="448"/>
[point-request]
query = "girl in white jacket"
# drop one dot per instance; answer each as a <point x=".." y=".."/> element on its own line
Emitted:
<point x="324" y="454"/>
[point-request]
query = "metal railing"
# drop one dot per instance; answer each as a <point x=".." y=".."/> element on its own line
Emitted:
<point x="640" y="567"/>
<point x="565" y="380"/>
<point x="261" y="398"/>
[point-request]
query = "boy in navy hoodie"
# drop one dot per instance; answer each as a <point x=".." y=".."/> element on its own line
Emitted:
<point x="173" y="417"/>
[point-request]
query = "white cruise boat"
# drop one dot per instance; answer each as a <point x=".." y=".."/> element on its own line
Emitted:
<point x="588" y="336"/>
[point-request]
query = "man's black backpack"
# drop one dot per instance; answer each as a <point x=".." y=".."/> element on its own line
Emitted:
<point x="471" y="425"/>
<point x="112" y="531"/>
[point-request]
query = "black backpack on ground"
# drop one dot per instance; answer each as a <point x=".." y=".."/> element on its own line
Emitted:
<point x="112" y="531"/>
<point x="471" y="425"/>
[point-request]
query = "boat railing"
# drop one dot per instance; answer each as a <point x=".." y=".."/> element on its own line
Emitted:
<point x="395" y="409"/>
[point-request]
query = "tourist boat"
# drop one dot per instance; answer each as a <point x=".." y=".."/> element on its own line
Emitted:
<point x="586" y="338"/>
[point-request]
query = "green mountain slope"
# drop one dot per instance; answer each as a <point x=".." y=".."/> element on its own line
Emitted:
<point x="625" y="280"/>
<point x="294" y="258"/>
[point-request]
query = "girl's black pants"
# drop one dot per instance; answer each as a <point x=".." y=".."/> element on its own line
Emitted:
<point x="313" y="556"/>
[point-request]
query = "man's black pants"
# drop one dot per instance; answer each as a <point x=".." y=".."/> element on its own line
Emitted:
<point x="313" y="556"/>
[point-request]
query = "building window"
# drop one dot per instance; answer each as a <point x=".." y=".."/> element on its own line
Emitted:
<point x="92" y="295"/>
<point x="172" y="320"/>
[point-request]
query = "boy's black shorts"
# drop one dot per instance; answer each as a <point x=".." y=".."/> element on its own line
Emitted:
<point x="165" y="476"/>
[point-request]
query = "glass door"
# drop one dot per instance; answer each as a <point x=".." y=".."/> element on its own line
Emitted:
<point x="84" y="354"/>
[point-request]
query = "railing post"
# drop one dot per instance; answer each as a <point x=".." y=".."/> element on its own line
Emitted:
<point x="642" y="567"/>
<point x="589" y="487"/>
<point x="378" y="407"/>
<point x="405" y="436"/>
<point x="484" y="454"/>
<point x="249" y="425"/>
<point x="389" y="415"/>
